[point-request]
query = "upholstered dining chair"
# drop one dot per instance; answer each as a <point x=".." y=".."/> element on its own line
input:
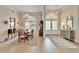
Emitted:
<point x="21" y="36"/>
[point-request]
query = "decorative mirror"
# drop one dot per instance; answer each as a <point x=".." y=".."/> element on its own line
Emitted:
<point x="69" y="22"/>
<point x="12" y="22"/>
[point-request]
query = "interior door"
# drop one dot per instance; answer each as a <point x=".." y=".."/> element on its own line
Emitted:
<point x="41" y="28"/>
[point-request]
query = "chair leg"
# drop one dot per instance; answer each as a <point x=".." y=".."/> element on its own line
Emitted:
<point x="27" y="38"/>
<point x="19" y="40"/>
<point x="24" y="40"/>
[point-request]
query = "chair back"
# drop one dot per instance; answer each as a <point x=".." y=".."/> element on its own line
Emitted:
<point x="20" y="32"/>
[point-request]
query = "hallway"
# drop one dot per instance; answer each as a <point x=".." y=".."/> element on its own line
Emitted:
<point x="43" y="28"/>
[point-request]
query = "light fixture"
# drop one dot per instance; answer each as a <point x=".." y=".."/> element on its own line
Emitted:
<point x="56" y="11"/>
<point x="26" y="15"/>
<point x="5" y="22"/>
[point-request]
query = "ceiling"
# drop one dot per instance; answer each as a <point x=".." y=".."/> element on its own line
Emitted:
<point x="56" y="7"/>
<point x="36" y="8"/>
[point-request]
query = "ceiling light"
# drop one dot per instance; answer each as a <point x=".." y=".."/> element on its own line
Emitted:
<point x="26" y="15"/>
<point x="56" y="12"/>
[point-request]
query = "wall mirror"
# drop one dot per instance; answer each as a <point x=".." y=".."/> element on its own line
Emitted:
<point x="69" y="22"/>
<point x="12" y="22"/>
<point x="12" y="30"/>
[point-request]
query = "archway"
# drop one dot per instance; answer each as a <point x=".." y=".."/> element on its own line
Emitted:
<point x="51" y="23"/>
<point x="30" y="24"/>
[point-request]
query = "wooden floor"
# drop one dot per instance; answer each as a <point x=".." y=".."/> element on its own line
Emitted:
<point x="39" y="45"/>
<point x="35" y="45"/>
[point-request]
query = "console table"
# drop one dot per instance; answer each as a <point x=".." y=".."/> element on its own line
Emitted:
<point x="70" y="35"/>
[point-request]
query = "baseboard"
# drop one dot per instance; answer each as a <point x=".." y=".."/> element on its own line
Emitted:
<point x="52" y="35"/>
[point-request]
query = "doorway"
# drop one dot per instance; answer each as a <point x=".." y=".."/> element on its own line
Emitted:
<point x="41" y="28"/>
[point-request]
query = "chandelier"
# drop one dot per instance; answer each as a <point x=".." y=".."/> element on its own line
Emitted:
<point x="26" y="15"/>
<point x="56" y="11"/>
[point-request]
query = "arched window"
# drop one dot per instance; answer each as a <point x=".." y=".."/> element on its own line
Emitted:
<point x="51" y="16"/>
<point x="51" y="21"/>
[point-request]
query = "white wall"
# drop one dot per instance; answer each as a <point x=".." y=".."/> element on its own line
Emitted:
<point x="6" y="13"/>
<point x="77" y="31"/>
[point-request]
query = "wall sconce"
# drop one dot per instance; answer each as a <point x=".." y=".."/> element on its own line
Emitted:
<point x="5" y="22"/>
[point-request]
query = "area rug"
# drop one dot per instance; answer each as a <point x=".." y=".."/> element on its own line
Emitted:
<point x="62" y="43"/>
